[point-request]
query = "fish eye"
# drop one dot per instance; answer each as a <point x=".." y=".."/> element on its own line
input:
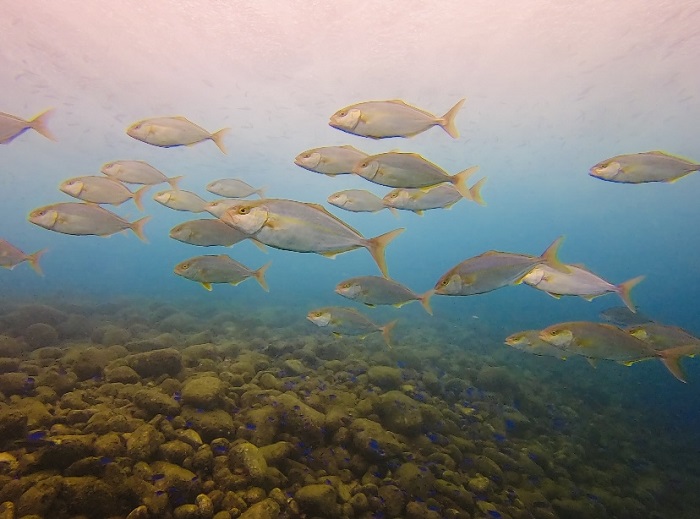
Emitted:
<point x="185" y="266"/>
<point x="554" y="332"/>
<point x="444" y="282"/>
<point x="306" y="156"/>
<point x="243" y="210"/>
<point x="342" y="113"/>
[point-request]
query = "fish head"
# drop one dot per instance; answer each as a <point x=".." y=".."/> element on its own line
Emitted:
<point x="534" y="277"/>
<point x="518" y="340"/>
<point x="140" y="130"/>
<point x="185" y="269"/>
<point x="110" y="168"/>
<point x="366" y="168"/>
<point x="319" y="317"/>
<point x="181" y="232"/>
<point x="308" y="159"/>
<point x="338" y="199"/>
<point x="346" y="119"/>
<point x="607" y="170"/>
<point x="348" y="289"/>
<point x="219" y="207"/>
<point x="395" y="197"/>
<point x="214" y="187"/>
<point x="247" y="217"/>
<point x="557" y="336"/>
<point x="450" y="284"/>
<point x="72" y="187"/>
<point x="44" y="217"/>
<point x="163" y="197"/>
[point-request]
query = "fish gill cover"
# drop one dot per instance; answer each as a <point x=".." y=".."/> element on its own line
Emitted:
<point x="486" y="132"/>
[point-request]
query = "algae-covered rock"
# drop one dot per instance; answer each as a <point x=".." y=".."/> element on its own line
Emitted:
<point x="8" y="365"/>
<point x="317" y="499"/>
<point x="143" y="443"/>
<point x="246" y="455"/>
<point x="299" y="418"/>
<point x="265" y="509"/>
<point x="393" y="499"/>
<point x="123" y="374"/>
<point x="277" y="452"/>
<point x="39" y="498"/>
<point x="89" y="496"/>
<point x="376" y="443"/>
<point x="155" y="402"/>
<point x="209" y="424"/>
<point x="456" y="493"/>
<point x="417" y="480"/>
<point x="175" y="451"/>
<point x="16" y="384"/>
<point x="385" y="377"/>
<point x="40" y="335"/>
<point x="261" y="425"/>
<point x="179" y="481"/>
<point x="203" y="392"/>
<point x="13" y="424"/>
<point x="400" y="413"/>
<point x="10" y="347"/>
<point x="64" y="450"/>
<point x="167" y="361"/>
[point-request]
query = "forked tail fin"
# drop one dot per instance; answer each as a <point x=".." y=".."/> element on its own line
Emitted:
<point x="138" y="196"/>
<point x="33" y="260"/>
<point x="425" y="300"/>
<point x="218" y="139"/>
<point x="260" y="276"/>
<point x="137" y="227"/>
<point x="377" y="247"/>
<point x="386" y="332"/>
<point x="459" y="180"/>
<point x="174" y="181"/>
<point x="550" y="256"/>
<point x="623" y="290"/>
<point x="39" y="124"/>
<point x="447" y="121"/>
<point x="475" y="191"/>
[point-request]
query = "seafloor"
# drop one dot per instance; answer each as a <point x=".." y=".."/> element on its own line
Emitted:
<point x="146" y="409"/>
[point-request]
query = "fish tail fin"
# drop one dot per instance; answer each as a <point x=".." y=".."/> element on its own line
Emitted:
<point x="475" y="191"/>
<point x="671" y="358"/>
<point x="425" y="301"/>
<point x="137" y="227"/>
<point x="459" y="180"/>
<point x="39" y="124"/>
<point x="386" y="332"/>
<point x="260" y="276"/>
<point x="261" y="191"/>
<point x="377" y="246"/>
<point x="138" y="196"/>
<point x="623" y="290"/>
<point x="174" y="181"/>
<point x="33" y="260"/>
<point x="448" y="120"/>
<point x="218" y="139"/>
<point x="550" y="257"/>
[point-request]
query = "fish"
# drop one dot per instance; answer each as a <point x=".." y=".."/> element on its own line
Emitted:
<point x="11" y="256"/>
<point x="357" y="201"/>
<point x="82" y="219"/>
<point x="375" y="290"/>
<point x="622" y="316"/>
<point x="168" y="132"/>
<point x="661" y="337"/>
<point x="579" y="281"/>
<point x="494" y="269"/>
<point x="442" y="196"/>
<point x="181" y="200"/>
<point x="604" y="341"/>
<point x="234" y="188"/>
<point x="303" y="227"/>
<point x="639" y="168"/>
<point x="12" y="126"/>
<point x="220" y="268"/>
<point x="207" y="233"/>
<point x="348" y="321"/>
<point x="330" y="160"/>
<point x="394" y="118"/>
<point x="400" y="169"/>
<point x="530" y="342"/>
<point x="102" y="190"/>
<point x="137" y="172"/>
<point x="219" y="207"/>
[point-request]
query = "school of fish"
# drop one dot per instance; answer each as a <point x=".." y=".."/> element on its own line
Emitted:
<point x="418" y="185"/>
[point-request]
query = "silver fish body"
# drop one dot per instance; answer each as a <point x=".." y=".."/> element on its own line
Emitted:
<point x="330" y="160"/>
<point x="234" y="188"/>
<point x="207" y="233"/>
<point x="219" y="269"/>
<point x="638" y="168"/>
<point x="167" y="132"/>
<point x="137" y="172"/>
<point x="101" y="190"/>
<point x="11" y="256"/>
<point x="375" y="290"/>
<point x="181" y="200"/>
<point x="357" y="201"/>
<point x="348" y="321"/>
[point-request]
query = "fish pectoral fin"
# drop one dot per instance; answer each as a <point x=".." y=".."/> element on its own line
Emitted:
<point x="206" y="285"/>
<point x="592" y="362"/>
<point x="330" y="254"/>
<point x="551" y="294"/>
<point x="627" y="363"/>
<point x="419" y="212"/>
<point x="588" y="298"/>
<point x="235" y="283"/>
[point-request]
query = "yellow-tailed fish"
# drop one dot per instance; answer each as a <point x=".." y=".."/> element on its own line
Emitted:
<point x="234" y="188"/>
<point x="330" y="160"/>
<point x="529" y="341"/>
<point x="181" y="200"/>
<point x="623" y="316"/>
<point x="12" y="126"/>
<point x="442" y="196"/>
<point x="662" y="337"/>
<point x="579" y="281"/>
<point x="399" y="169"/>
<point x="219" y="269"/>
<point x="137" y="172"/>
<point x="11" y="256"/>
<point x="302" y="227"/>
<point x="102" y="190"/>
<point x="357" y="201"/>
<point x="207" y="233"/>
<point x="82" y="219"/>
<point x="395" y="118"/>
<point x="348" y="321"/>
<point x="494" y="269"/>
<point x="601" y="341"/>
<point x="649" y="166"/>
<point x="168" y="132"/>
<point x="375" y="290"/>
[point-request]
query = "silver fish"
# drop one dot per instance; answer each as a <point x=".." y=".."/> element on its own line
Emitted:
<point x="207" y="233"/>
<point x="395" y="118"/>
<point x="234" y="188"/>
<point x="301" y="227"/>
<point x="530" y="342"/>
<point x="137" y="172"/>
<point x="181" y="200"/>
<point x="168" y="132"/>
<point x="12" y="126"/>
<point x="623" y="316"/>
<point x="442" y="196"/>
<point x="102" y="190"/>
<point x="374" y="290"/>
<point x="219" y="269"/>
<point x="662" y="337"/>
<point x="219" y="207"/>
<point x="492" y="270"/>
<point x="399" y="169"/>
<point x="579" y="281"/>
<point x="638" y="168"/>
<point x="84" y="219"/>
<point x="11" y="256"/>
<point x="348" y="321"/>
<point x="357" y="201"/>
<point x="330" y="160"/>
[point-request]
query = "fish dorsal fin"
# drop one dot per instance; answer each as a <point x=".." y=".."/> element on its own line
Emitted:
<point x="181" y="118"/>
<point x="334" y="217"/>
<point x="349" y="147"/>
<point x="661" y="153"/>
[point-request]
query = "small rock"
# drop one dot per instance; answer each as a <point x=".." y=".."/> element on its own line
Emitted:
<point x="203" y="392"/>
<point x="40" y="335"/>
<point x="16" y="384"/>
<point x="317" y="499"/>
<point x="385" y="377"/>
<point x="140" y="512"/>
<point x="156" y="402"/>
<point x="154" y="363"/>
<point x="176" y="451"/>
<point x="188" y="511"/>
<point x="245" y="454"/>
<point x="123" y="374"/>
<point x="205" y="506"/>
<point x="10" y="347"/>
<point x="265" y="509"/>
<point x="143" y="443"/>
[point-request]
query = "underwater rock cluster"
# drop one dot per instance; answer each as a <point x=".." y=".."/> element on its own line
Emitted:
<point x="106" y="412"/>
